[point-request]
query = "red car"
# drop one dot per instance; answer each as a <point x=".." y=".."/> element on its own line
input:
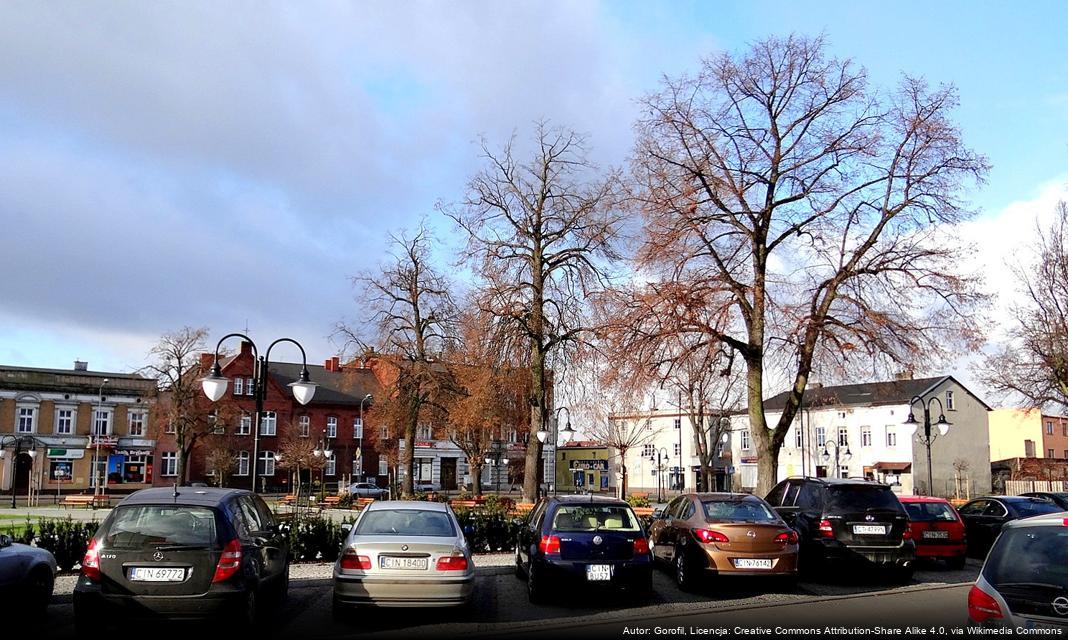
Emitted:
<point x="937" y="529"/>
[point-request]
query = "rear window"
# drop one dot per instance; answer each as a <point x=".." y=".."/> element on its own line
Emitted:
<point x="137" y="527"/>
<point x="1025" y="556"/>
<point x="930" y="512"/>
<point x="594" y="518"/>
<point x="861" y="498"/>
<point x="1036" y="508"/>
<point x="405" y="522"/>
<point x="737" y="511"/>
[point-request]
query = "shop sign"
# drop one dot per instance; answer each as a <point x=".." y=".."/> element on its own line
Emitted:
<point x="68" y="454"/>
<point x="426" y="444"/>
<point x="589" y="465"/>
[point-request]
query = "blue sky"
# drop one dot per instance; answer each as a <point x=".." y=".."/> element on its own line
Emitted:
<point x="223" y="164"/>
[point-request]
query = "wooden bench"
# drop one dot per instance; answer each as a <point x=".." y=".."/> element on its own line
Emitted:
<point x="643" y="512"/>
<point x="522" y="508"/>
<point x="360" y="503"/>
<point x="331" y="501"/>
<point x="86" y="501"/>
<point x="290" y="499"/>
<point x="465" y="504"/>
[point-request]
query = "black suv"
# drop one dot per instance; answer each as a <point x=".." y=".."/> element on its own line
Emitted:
<point x="846" y="520"/>
<point x="183" y="553"/>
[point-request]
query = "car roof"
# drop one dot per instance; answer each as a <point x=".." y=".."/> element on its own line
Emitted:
<point x="841" y="481"/>
<point x="418" y="505"/>
<point x="586" y="499"/>
<point x="723" y="496"/>
<point x="1045" y="520"/>
<point x="200" y="496"/>
<point x="923" y="499"/>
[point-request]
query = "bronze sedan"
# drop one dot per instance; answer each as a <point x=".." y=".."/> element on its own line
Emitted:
<point x="700" y="534"/>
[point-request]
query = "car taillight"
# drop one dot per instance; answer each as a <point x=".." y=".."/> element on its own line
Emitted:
<point x="826" y="530"/>
<point x="229" y="561"/>
<point x="452" y="563"/>
<point x="352" y="560"/>
<point x="641" y="547"/>
<point x="982" y="606"/>
<point x="707" y="535"/>
<point x="549" y="544"/>
<point x="91" y="562"/>
<point x="906" y="534"/>
<point x="789" y="537"/>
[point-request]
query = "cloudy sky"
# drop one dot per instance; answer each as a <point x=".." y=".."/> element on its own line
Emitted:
<point x="229" y="164"/>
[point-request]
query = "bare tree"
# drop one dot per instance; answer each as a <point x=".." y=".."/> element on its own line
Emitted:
<point x="184" y="411"/>
<point x="539" y="233"/>
<point x="411" y="314"/>
<point x="1032" y="364"/>
<point x="790" y="216"/>
<point x="298" y="453"/>
<point x="220" y="459"/>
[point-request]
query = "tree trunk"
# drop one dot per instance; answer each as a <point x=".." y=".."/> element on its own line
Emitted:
<point x="537" y="423"/>
<point x="408" y="455"/>
<point x="476" y="478"/>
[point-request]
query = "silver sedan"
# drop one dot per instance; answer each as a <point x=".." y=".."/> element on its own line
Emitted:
<point x="404" y="554"/>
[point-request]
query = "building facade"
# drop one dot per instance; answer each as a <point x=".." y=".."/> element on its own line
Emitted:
<point x="74" y="430"/>
<point x="1027" y="433"/>
<point x="586" y="467"/>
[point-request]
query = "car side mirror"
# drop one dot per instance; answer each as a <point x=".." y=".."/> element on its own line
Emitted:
<point x="5" y="540"/>
<point x="346" y="527"/>
<point x="658" y="513"/>
<point x="789" y="514"/>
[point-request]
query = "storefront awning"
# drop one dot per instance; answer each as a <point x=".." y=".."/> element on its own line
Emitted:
<point x="895" y="467"/>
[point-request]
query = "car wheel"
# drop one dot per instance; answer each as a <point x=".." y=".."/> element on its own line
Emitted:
<point x="283" y="587"/>
<point x="40" y="585"/>
<point x="903" y="574"/>
<point x="956" y="562"/>
<point x="684" y="571"/>
<point x="249" y="615"/>
<point x="535" y="590"/>
<point x="340" y="612"/>
<point x="519" y="573"/>
<point x="641" y="590"/>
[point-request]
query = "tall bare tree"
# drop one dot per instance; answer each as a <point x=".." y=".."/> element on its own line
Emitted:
<point x="182" y="405"/>
<point x="539" y="234"/>
<point x="411" y="315"/>
<point x="1032" y="364"/>
<point x="791" y="212"/>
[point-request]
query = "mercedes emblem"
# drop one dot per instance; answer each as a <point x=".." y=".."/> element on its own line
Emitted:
<point x="597" y="539"/>
<point x="869" y="518"/>
<point x="1060" y="605"/>
<point x="157" y="556"/>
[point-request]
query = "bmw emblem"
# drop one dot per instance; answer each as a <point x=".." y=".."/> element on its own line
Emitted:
<point x="1060" y="605"/>
<point x="157" y="556"/>
<point x="404" y="547"/>
<point x="597" y="539"/>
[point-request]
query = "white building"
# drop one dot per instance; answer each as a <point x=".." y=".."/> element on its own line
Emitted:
<point x="869" y="422"/>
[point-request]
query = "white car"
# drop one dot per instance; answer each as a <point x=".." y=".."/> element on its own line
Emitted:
<point x="27" y="574"/>
<point x="368" y="490"/>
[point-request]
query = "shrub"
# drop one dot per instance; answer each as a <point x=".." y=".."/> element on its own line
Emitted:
<point x="66" y="539"/>
<point x="636" y="500"/>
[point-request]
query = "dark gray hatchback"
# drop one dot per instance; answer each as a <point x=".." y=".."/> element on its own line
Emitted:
<point x="184" y="553"/>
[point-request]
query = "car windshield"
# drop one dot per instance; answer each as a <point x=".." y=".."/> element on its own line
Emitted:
<point x="1029" y="555"/>
<point x="137" y="527"/>
<point x="405" y="522"/>
<point x="863" y="498"/>
<point x="1029" y="508"/>
<point x="587" y="517"/>
<point x="737" y="511"/>
<point x="930" y="512"/>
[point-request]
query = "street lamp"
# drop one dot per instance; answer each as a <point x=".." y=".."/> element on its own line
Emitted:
<point x="215" y="384"/>
<point x="19" y="440"/>
<point x="96" y="436"/>
<point x="325" y="453"/>
<point x="563" y="436"/>
<point x="839" y="456"/>
<point x="359" y="446"/>
<point x="928" y="438"/>
<point x="660" y="457"/>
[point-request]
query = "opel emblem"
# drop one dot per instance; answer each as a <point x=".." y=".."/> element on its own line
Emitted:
<point x="751" y="534"/>
<point x="869" y="517"/>
<point x="1060" y="605"/>
<point x="404" y="547"/>
<point x="597" y="539"/>
<point x="157" y="556"/>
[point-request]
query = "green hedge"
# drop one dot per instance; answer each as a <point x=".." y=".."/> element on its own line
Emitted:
<point x="64" y="537"/>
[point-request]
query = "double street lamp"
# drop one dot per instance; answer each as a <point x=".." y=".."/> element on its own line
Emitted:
<point x="21" y="442"/>
<point x="839" y="456"/>
<point x="98" y="422"/>
<point x="326" y="453"/>
<point x="660" y="457"/>
<point x="563" y="436"/>
<point x="215" y="384"/>
<point x="496" y="461"/>
<point x="928" y="438"/>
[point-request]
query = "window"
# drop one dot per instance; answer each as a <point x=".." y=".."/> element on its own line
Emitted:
<point x="265" y="465"/>
<point x="250" y="388"/>
<point x="242" y="463"/>
<point x="1029" y="448"/>
<point x="269" y="426"/>
<point x="1065" y="427"/>
<point x="1049" y="428"/>
<point x="357" y="428"/>
<point x="170" y="428"/>
<point x="648" y="451"/>
<point x="423" y="432"/>
<point x="331" y="466"/>
<point x="821" y="436"/>
<point x="238" y="386"/>
<point x="245" y="426"/>
<point x="865" y="436"/>
<point x="891" y="437"/>
<point x="304" y="426"/>
<point x="219" y="428"/>
<point x="64" y="421"/>
<point x="136" y="423"/>
<point x="169" y="463"/>
<point x="1066" y="453"/>
<point x="746" y="445"/>
<point x="799" y="437"/>
<point x="843" y="436"/>
<point x="102" y="422"/>
<point x="677" y="448"/>
<point x="357" y="466"/>
<point x="513" y="436"/>
<point x="331" y="427"/>
<point x="383" y="432"/>
<point x="27" y="419"/>
<point x="1052" y="454"/>
<point x="843" y="471"/>
<point x="950" y="404"/>
<point x="383" y="467"/>
<point x="677" y="423"/>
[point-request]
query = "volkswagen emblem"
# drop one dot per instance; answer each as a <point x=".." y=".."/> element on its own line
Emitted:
<point x="751" y="534"/>
<point x="869" y="518"/>
<point x="404" y="547"/>
<point x="157" y="556"/>
<point x="597" y="539"/>
<point x="1060" y="605"/>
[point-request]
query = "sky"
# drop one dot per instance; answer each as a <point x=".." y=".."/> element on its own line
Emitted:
<point x="233" y="165"/>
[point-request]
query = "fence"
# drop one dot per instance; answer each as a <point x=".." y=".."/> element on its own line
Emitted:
<point x="1016" y="487"/>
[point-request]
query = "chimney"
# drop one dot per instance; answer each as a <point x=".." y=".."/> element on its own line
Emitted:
<point x="206" y="360"/>
<point x="246" y="348"/>
<point x="80" y="365"/>
<point x="337" y="363"/>
<point x="904" y="374"/>
<point x="329" y="364"/>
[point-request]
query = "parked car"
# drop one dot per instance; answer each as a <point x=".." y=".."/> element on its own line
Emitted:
<point x="183" y="553"/>
<point x="368" y="490"/>
<point x="706" y="534"/>
<point x="844" y="521"/>
<point x="1059" y="498"/>
<point x="425" y="486"/>
<point x="1025" y="577"/>
<point x="588" y="541"/>
<point x="984" y="518"/>
<point x="404" y="554"/>
<point x="27" y="575"/>
<point x="936" y="529"/>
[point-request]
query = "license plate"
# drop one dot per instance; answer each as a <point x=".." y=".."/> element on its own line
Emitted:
<point x="935" y="534"/>
<point x="156" y="574"/>
<point x="598" y="572"/>
<point x="868" y="529"/>
<point x="411" y="564"/>
<point x="752" y="563"/>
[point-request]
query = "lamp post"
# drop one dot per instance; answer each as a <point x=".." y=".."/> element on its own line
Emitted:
<point x="96" y="436"/>
<point x="323" y="451"/>
<point x="928" y="438"/>
<point x="359" y="446"/>
<point x="660" y="457"/>
<point x="560" y="436"/>
<point x="839" y="456"/>
<point x="215" y="384"/>
<point x="18" y="440"/>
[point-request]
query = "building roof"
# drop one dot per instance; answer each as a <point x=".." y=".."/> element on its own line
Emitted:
<point x="866" y="394"/>
<point x="73" y="380"/>
<point x="345" y="387"/>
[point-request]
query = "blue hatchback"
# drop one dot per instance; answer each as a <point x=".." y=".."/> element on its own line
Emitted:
<point x="583" y="540"/>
